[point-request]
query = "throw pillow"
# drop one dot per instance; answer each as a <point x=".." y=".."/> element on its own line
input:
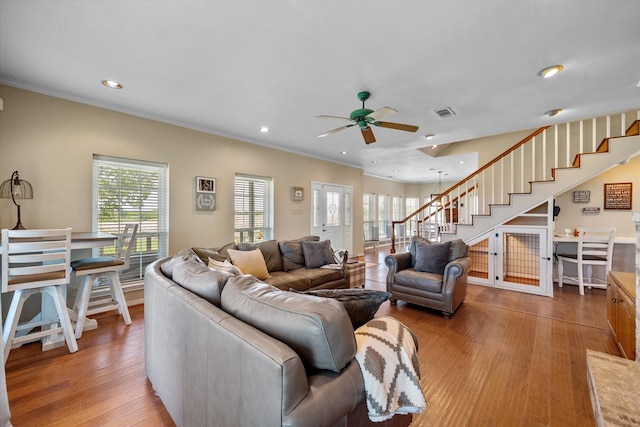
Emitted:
<point x="219" y="254"/>
<point x="201" y="280"/>
<point x="317" y="329"/>
<point x="317" y="254"/>
<point x="412" y="247"/>
<point x="249" y="262"/>
<point x="225" y="266"/>
<point x="361" y="304"/>
<point x="432" y="258"/>
<point x="177" y="259"/>
<point x="270" y="252"/>
<point x="458" y="249"/>
<point x="291" y="250"/>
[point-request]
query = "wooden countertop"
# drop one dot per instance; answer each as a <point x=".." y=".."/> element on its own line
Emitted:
<point x="626" y="281"/>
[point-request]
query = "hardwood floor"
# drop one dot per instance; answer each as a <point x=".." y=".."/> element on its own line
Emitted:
<point x="504" y="359"/>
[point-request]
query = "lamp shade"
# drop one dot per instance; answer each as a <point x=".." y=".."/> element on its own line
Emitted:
<point x="16" y="188"/>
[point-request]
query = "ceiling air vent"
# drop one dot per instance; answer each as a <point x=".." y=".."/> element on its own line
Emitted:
<point x="444" y="112"/>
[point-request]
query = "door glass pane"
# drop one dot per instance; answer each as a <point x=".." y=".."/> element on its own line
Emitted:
<point x="333" y="209"/>
<point x="316" y="208"/>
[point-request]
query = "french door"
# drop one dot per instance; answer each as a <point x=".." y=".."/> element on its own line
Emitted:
<point x="331" y="214"/>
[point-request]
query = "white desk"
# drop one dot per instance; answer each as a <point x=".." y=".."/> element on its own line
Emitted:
<point x="563" y="238"/>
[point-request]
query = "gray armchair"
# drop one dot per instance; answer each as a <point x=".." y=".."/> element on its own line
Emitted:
<point x="431" y="275"/>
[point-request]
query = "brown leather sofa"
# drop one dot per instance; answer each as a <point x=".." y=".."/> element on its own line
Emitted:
<point x="430" y="275"/>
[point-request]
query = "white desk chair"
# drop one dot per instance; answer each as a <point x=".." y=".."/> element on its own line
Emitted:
<point x="371" y="237"/>
<point x="91" y="269"/>
<point x="595" y="247"/>
<point x="36" y="261"/>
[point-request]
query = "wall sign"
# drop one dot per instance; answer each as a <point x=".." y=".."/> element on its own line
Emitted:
<point x="618" y="196"/>
<point x="581" y="196"/>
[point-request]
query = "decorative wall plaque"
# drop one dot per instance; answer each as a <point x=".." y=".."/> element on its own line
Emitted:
<point x="205" y="194"/>
<point x="618" y="196"/>
<point x="581" y="196"/>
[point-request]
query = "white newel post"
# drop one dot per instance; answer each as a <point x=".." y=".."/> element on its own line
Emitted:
<point x="636" y="219"/>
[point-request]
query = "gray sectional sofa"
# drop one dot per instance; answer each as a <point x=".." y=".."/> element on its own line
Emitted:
<point x="291" y="264"/>
<point x="224" y="351"/>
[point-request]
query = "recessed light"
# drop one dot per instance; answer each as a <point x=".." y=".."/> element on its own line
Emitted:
<point x="550" y="71"/>
<point x="343" y="152"/>
<point x="396" y="170"/>
<point x="374" y="161"/>
<point x="112" y="84"/>
<point x="552" y="113"/>
<point x="429" y="136"/>
<point x="462" y="162"/>
<point x="264" y="129"/>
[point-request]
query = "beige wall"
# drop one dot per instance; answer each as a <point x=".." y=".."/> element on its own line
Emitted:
<point x="571" y="215"/>
<point x="50" y="141"/>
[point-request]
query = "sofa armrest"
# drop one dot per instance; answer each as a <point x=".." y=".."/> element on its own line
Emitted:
<point x="396" y="263"/>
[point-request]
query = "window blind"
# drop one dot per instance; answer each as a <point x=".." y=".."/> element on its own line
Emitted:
<point x="132" y="191"/>
<point x="253" y="200"/>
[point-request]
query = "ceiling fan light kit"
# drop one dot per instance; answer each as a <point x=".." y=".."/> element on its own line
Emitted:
<point x="365" y="117"/>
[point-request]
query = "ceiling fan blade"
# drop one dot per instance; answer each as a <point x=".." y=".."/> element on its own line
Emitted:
<point x="322" y="116"/>
<point x="383" y="112"/>
<point x="367" y="134"/>
<point x="331" y="132"/>
<point x="398" y="126"/>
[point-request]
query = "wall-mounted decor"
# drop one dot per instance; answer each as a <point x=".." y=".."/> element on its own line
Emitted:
<point x="581" y="196"/>
<point x="591" y="210"/>
<point x="205" y="194"/>
<point x="618" y="196"/>
<point x="297" y="193"/>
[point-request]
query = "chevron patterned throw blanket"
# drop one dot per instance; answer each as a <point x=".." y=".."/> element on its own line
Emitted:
<point x="388" y="358"/>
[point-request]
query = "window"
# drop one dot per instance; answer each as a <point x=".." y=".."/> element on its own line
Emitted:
<point x="411" y="207"/>
<point x="397" y="214"/>
<point x="384" y="217"/>
<point x="132" y="191"/>
<point x="253" y="209"/>
<point x="369" y="216"/>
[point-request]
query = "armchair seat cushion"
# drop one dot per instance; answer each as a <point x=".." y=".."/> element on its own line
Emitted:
<point x="419" y="280"/>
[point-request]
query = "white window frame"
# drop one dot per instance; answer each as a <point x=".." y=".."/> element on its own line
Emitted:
<point x="152" y="240"/>
<point x="253" y="231"/>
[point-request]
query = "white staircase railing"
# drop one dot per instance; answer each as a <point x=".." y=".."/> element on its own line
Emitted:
<point x="534" y="159"/>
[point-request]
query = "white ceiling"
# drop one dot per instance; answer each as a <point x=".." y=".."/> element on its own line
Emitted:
<point x="230" y="67"/>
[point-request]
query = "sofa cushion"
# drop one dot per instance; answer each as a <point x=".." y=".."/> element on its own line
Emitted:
<point x="270" y="251"/>
<point x="317" y="329"/>
<point x="361" y="304"/>
<point x="317" y="254"/>
<point x="177" y="259"/>
<point x="314" y="277"/>
<point x="291" y="250"/>
<point x="225" y="266"/>
<point x="219" y="254"/>
<point x="250" y="262"/>
<point x="416" y="282"/>
<point x="201" y="280"/>
<point x="432" y="258"/>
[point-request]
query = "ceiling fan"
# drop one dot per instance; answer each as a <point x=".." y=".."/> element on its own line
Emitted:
<point x="364" y="117"/>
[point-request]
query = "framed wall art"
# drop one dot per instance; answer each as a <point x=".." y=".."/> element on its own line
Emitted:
<point x="297" y="194"/>
<point x="618" y="195"/>
<point x="205" y="194"/>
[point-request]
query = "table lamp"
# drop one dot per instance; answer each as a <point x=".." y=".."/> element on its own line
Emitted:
<point x="16" y="188"/>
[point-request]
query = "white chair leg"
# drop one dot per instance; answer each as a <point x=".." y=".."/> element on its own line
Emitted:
<point x="82" y="303"/>
<point x="119" y="297"/>
<point x="580" y="279"/>
<point x="589" y="275"/>
<point x="63" y="315"/>
<point x="11" y="323"/>
<point x="560" y="272"/>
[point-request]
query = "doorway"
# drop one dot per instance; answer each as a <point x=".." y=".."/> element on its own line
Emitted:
<point x="332" y="215"/>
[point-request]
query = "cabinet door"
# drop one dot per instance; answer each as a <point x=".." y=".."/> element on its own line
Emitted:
<point x="612" y="307"/>
<point x="627" y="326"/>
